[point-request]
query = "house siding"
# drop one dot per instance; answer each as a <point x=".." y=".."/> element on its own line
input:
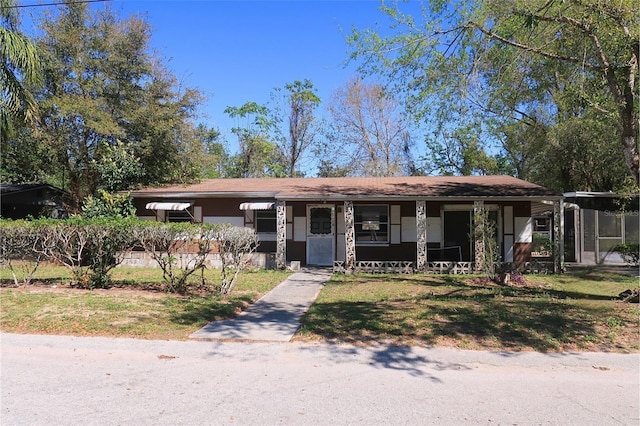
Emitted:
<point x="400" y="247"/>
<point x="522" y="252"/>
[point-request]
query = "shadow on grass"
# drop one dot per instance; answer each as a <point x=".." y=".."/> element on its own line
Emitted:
<point x="603" y="272"/>
<point x="511" y="318"/>
<point x="460" y="285"/>
<point x="200" y="311"/>
<point x="543" y="325"/>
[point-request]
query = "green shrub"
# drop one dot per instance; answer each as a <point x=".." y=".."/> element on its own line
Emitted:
<point x="629" y="252"/>
<point x="106" y="204"/>
<point x="541" y="244"/>
<point x="89" y="248"/>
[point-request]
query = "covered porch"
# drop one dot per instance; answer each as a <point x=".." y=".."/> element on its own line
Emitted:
<point x="356" y="237"/>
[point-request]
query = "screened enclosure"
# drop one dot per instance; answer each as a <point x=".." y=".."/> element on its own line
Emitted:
<point x="597" y="226"/>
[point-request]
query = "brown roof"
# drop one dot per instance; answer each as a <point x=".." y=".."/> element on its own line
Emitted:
<point x="356" y="187"/>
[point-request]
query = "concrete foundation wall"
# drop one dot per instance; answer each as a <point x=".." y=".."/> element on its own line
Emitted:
<point x="142" y="259"/>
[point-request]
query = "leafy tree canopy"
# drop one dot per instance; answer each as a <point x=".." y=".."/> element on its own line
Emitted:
<point x="522" y="72"/>
<point x="112" y="115"/>
<point x="19" y="67"/>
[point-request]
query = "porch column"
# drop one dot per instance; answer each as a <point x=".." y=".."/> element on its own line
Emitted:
<point x="350" y="237"/>
<point x="478" y="235"/>
<point x="558" y="236"/>
<point x="421" y="240"/>
<point x="281" y="229"/>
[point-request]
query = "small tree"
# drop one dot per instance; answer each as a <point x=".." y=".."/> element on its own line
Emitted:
<point x="235" y="245"/>
<point x="117" y="166"/>
<point x="69" y="248"/>
<point x="168" y="244"/>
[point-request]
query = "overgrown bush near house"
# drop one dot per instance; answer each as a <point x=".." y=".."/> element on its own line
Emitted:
<point x="88" y="248"/>
<point x="181" y="251"/>
<point x="235" y="245"/>
<point x="70" y="241"/>
<point x="91" y="248"/>
<point x="169" y="243"/>
<point x="109" y="240"/>
<point x="106" y="204"/>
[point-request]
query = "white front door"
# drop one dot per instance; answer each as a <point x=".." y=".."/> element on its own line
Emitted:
<point x="320" y="234"/>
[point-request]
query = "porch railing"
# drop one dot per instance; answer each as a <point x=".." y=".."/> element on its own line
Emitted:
<point x="439" y="267"/>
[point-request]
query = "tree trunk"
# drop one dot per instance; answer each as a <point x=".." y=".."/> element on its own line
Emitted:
<point x="630" y="142"/>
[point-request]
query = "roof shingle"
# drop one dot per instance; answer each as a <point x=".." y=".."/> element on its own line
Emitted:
<point x="357" y="187"/>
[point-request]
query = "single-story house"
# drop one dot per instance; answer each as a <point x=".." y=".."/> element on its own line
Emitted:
<point x="411" y="223"/>
<point x="596" y="222"/>
<point x="18" y="201"/>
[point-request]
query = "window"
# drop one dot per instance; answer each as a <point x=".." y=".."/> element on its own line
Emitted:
<point x="266" y="221"/>
<point x="185" y="215"/>
<point x="541" y="224"/>
<point x="320" y="221"/>
<point x="609" y="224"/>
<point x="631" y="228"/>
<point x="371" y="224"/>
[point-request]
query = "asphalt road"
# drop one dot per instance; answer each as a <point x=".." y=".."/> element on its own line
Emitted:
<point x="47" y="380"/>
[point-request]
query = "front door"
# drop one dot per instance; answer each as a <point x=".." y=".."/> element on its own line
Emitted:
<point x="320" y="235"/>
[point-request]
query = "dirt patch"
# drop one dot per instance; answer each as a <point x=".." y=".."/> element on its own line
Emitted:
<point x="150" y="290"/>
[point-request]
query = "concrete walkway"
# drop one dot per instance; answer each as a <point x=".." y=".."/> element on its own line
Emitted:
<point x="275" y="316"/>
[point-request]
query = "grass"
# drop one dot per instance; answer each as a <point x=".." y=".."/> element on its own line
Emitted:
<point x="573" y="311"/>
<point x="551" y="313"/>
<point x="135" y="307"/>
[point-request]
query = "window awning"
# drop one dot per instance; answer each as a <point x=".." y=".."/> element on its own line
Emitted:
<point x="261" y="205"/>
<point x="168" y="206"/>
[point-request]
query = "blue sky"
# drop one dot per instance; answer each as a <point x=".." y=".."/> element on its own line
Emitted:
<point x="239" y="51"/>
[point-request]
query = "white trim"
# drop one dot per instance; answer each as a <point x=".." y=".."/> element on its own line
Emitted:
<point x="508" y="252"/>
<point x="434" y="229"/>
<point x="589" y="194"/>
<point x="299" y="229"/>
<point x="409" y="231"/>
<point x="523" y="229"/>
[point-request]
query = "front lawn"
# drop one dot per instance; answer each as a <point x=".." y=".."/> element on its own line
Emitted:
<point x="135" y="307"/>
<point x="574" y="311"/>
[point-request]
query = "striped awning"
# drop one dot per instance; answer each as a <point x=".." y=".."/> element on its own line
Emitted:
<point x="168" y="206"/>
<point x="259" y="205"/>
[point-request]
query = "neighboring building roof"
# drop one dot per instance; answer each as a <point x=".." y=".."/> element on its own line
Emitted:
<point x="18" y="201"/>
<point x="602" y="200"/>
<point x="363" y="188"/>
<point x="590" y="194"/>
<point x="11" y="188"/>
